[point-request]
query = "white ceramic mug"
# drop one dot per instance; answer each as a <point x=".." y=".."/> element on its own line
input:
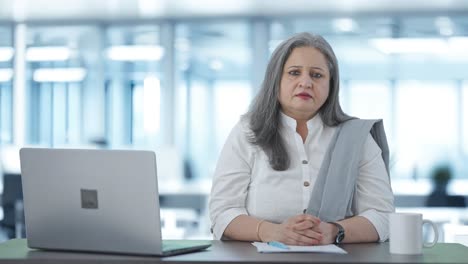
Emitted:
<point x="406" y="233"/>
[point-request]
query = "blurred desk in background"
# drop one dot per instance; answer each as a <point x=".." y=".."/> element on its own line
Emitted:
<point x="421" y="200"/>
<point x="184" y="209"/>
<point x="190" y="194"/>
<point x="451" y="215"/>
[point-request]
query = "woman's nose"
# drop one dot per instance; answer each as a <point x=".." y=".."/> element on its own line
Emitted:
<point x="305" y="81"/>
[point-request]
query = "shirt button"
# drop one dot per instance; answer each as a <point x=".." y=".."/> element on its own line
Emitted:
<point x="306" y="184"/>
<point x="304" y="162"/>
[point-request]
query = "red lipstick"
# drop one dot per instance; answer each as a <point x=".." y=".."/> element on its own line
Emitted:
<point x="304" y="96"/>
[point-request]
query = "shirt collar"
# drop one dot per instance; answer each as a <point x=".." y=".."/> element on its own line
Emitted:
<point x="290" y="122"/>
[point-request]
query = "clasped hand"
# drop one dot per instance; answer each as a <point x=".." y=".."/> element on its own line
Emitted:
<point x="301" y="230"/>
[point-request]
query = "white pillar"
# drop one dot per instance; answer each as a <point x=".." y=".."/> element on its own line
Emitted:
<point x="94" y="120"/>
<point x="168" y="105"/>
<point x="19" y="86"/>
<point x="260" y="52"/>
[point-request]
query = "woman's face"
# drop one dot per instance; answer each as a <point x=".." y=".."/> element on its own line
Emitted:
<point x="305" y="83"/>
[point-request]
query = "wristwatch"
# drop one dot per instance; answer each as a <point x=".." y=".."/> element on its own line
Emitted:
<point x="340" y="235"/>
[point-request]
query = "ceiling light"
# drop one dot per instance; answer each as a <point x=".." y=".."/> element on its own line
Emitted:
<point x="150" y="8"/>
<point x="6" y="53"/>
<point x="48" y="53"/>
<point x="6" y="75"/>
<point x="59" y="75"/>
<point x="410" y="45"/>
<point x="344" y="25"/>
<point x="135" y="53"/>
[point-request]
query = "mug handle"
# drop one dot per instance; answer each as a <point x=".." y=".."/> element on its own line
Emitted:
<point x="436" y="233"/>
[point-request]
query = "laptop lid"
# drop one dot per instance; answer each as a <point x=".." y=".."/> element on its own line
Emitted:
<point x="93" y="200"/>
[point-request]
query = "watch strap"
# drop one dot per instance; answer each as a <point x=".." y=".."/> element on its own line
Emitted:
<point x="341" y="233"/>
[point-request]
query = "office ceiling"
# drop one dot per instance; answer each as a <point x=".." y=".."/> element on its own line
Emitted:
<point x="231" y="39"/>
<point x="40" y="10"/>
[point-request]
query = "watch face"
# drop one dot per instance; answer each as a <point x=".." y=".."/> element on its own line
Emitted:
<point x="341" y="233"/>
<point x="339" y="237"/>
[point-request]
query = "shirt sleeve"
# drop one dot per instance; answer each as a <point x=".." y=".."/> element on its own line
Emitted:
<point x="374" y="197"/>
<point x="231" y="181"/>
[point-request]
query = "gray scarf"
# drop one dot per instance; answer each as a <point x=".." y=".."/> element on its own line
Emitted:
<point x="332" y="196"/>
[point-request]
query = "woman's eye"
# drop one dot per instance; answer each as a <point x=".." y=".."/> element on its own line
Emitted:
<point x="317" y="75"/>
<point x="295" y="73"/>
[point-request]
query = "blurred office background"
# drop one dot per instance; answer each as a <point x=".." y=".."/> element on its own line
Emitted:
<point x="175" y="76"/>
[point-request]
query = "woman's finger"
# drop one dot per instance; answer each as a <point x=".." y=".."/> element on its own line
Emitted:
<point x="307" y="224"/>
<point x="311" y="234"/>
<point x="299" y="239"/>
<point x="307" y="217"/>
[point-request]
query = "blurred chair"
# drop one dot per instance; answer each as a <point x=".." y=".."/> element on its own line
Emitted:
<point x="12" y="196"/>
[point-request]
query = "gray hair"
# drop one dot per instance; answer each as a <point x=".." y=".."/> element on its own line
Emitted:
<point x="264" y="112"/>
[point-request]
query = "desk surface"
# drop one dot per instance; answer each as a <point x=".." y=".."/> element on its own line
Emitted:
<point x="16" y="251"/>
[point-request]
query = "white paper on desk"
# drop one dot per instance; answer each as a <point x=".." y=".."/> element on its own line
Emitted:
<point x="265" y="248"/>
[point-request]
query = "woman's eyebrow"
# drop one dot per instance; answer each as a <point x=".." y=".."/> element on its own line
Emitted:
<point x="317" y="68"/>
<point x="312" y="67"/>
<point x="294" y="66"/>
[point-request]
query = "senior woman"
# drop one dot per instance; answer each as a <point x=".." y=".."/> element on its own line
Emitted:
<point x="296" y="169"/>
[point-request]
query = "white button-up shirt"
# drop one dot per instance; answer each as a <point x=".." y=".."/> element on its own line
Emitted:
<point x="245" y="184"/>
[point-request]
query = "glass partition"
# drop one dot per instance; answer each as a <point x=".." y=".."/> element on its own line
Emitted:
<point x="213" y="66"/>
<point x="427" y="134"/>
<point x="63" y="85"/>
<point x="134" y="85"/>
<point x="371" y="100"/>
<point x="464" y="119"/>
<point x="6" y="84"/>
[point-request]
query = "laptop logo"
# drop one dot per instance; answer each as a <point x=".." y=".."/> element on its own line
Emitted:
<point x="89" y="199"/>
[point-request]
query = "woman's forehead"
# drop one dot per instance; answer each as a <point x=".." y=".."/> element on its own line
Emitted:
<point x="306" y="57"/>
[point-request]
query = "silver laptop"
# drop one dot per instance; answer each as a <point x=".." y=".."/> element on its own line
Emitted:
<point x="95" y="200"/>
